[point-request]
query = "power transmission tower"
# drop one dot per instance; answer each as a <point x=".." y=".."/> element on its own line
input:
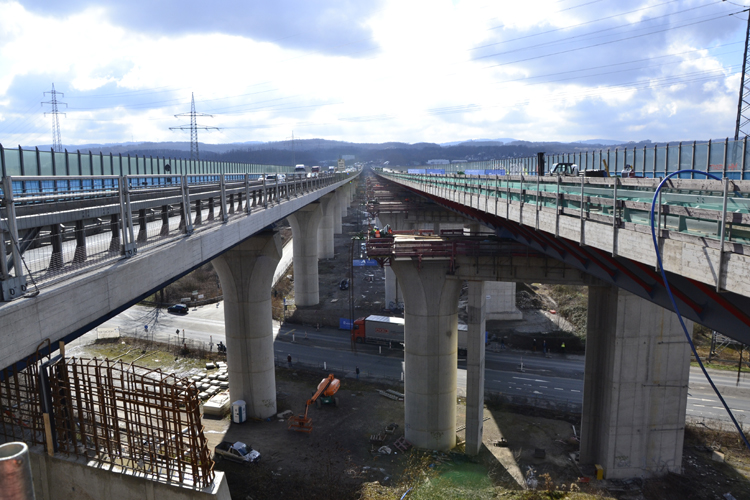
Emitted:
<point x="56" y="141"/>
<point x="743" y="107"/>
<point x="193" y="127"/>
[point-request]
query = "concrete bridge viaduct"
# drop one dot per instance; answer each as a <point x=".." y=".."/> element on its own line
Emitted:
<point x="637" y="360"/>
<point x="112" y="270"/>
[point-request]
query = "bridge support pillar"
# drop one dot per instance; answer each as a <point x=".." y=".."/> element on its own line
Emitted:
<point x="338" y="203"/>
<point x="393" y="293"/>
<point x="345" y="200"/>
<point x="246" y="274"/>
<point x="635" y="386"/>
<point x="430" y="353"/>
<point x="501" y="301"/>
<point x="305" y="222"/>
<point x="325" y="233"/>
<point x="475" y="367"/>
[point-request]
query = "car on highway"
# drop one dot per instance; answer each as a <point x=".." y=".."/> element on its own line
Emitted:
<point x="344" y="285"/>
<point x="178" y="309"/>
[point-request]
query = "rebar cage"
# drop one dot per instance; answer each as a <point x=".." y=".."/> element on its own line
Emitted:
<point x="133" y="419"/>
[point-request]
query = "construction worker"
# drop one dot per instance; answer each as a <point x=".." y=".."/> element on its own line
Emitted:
<point x="562" y="347"/>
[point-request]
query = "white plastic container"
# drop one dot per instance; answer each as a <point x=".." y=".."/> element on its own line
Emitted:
<point x="239" y="412"/>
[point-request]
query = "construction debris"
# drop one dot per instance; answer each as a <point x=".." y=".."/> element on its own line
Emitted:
<point x="390" y="396"/>
<point x="377" y="438"/>
<point x="401" y="444"/>
<point x="397" y="394"/>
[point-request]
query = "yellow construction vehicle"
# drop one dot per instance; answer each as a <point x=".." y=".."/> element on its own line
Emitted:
<point x="327" y="388"/>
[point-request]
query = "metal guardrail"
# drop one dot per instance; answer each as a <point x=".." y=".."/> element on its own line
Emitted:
<point x="52" y="227"/>
<point x="694" y="208"/>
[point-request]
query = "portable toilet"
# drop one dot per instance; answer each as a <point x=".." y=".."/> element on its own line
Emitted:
<point x="239" y="412"/>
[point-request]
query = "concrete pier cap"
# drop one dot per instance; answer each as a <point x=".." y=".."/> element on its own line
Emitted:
<point x="430" y="353"/>
<point x="246" y="273"/>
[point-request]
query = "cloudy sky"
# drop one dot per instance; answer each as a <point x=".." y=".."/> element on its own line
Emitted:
<point x="371" y="71"/>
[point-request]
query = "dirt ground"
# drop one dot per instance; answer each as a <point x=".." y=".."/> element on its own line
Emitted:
<point x="330" y="462"/>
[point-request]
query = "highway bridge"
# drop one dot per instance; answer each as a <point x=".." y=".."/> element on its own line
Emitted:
<point x="581" y="228"/>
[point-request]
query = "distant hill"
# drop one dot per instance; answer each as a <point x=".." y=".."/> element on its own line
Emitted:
<point x="602" y="142"/>
<point x="326" y="152"/>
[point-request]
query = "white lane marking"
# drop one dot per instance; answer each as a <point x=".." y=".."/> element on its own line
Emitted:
<point x="574" y="390"/>
<point x="531" y="379"/>
<point x="543" y="386"/>
<point x="559" y="389"/>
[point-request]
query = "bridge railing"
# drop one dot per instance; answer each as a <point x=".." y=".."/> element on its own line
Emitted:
<point x="708" y="209"/>
<point x="52" y="228"/>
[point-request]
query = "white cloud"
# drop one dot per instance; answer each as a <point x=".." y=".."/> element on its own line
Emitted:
<point x="405" y="71"/>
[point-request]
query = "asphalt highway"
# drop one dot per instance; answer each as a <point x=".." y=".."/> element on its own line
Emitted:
<point x="557" y="377"/>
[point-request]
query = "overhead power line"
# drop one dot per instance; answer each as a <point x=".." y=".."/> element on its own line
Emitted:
<point x="193" y="127"/>
<point x="56" y="140"/>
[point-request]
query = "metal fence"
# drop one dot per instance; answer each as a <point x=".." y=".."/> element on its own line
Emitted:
<point x="57" y="164"/>
<point x="727" y="158"/>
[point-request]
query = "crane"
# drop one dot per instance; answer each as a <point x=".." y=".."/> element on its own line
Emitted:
<point x="324" y="395"/>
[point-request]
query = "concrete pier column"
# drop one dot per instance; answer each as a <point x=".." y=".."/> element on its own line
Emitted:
<point x="475" y="367"/>
<point x="305" y="222"/>
<point x="345" y="200"/>
<point x="325" y="231"/>
<point x="337" y="227"/>
<point x="501" y="301"/>
<point x="391" y="287"/>
<point x="635" y="386"/>
<point x="246" y="274"/>
<point x="430" y="353"/>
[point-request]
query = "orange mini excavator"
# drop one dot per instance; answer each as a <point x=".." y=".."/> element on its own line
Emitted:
<point x="324" y="395"/>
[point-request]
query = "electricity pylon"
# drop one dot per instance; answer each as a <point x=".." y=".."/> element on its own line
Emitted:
<point x="743" y="107"/>
<point x="56" y="141"/>
<point x="193" y="127"/>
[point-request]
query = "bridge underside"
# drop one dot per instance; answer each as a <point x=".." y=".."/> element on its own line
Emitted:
<point x="699" y="302"/>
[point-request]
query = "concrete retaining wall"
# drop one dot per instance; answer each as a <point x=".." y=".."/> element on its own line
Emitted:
<point x="61" y="478"/>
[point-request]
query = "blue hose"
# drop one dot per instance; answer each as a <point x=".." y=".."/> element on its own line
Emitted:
<point x="674" y="303"/>
<point x="405" y="493"/>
